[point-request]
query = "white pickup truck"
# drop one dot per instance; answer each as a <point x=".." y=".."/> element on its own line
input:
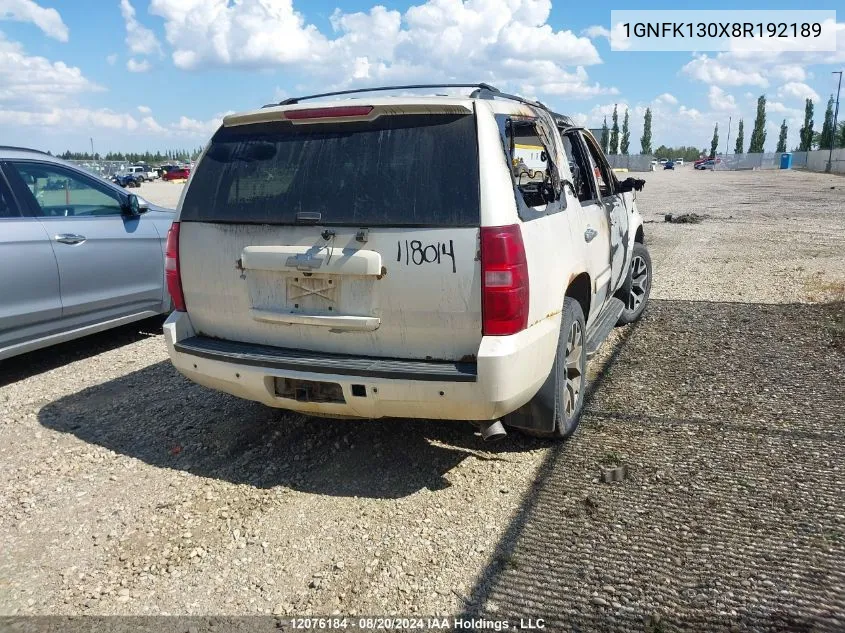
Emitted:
<point x="142" y="172"/>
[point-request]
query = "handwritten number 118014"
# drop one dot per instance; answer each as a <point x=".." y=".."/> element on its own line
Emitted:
<point x="417" y="253"/>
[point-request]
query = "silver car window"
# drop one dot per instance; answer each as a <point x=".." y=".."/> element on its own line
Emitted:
<point x="60" y="192"/>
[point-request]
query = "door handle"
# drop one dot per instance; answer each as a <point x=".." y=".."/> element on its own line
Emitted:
<point x="70" y="238"/>
<point x="589" y="234"/>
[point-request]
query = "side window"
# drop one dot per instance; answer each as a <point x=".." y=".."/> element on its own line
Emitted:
<point x="580" y="167"/>
<point x="529" y="161"/>
<point x="60" y="192"/>
<point x="604" y="175"/>
<point x="8" y="208"/>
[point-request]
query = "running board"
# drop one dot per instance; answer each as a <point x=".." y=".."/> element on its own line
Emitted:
<point x="604" y="323"/>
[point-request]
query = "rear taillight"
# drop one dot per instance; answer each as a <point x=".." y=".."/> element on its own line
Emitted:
<point x="172" y="274"/>
<point x="504" y="274"/>
<point x="328" y="113"/>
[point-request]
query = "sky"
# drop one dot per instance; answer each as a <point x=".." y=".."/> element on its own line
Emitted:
<point x="135" y="75"/>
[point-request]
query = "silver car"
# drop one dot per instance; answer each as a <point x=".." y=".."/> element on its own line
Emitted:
<point x="77" y="254"/>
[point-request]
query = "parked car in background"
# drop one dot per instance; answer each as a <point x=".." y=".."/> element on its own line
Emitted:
<point x="708" y="163"/>
<point x="142" y="172"/>
<point x="127" y="180"/>
<point x="668" y="165"/>
<point x="679" y="162"/>
<point x="176" y="173"/>
<point x="428" y="281"/>
<point x="78" y="254"/>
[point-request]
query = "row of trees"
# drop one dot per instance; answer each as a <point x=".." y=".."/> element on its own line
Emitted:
<point x="808" y="139"/>
<point x="612" y="144"/>
<point x="135" y="157"/>
<point x="828" y="137"/>
<point x="610" y="141"/>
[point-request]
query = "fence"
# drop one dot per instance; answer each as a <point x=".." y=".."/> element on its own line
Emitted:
<point x="104" y="168"/>
<point x="631" y="162"/>
<point x="811" y="161"/>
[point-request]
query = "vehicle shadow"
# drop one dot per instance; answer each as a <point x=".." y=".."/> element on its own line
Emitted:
<point x="39" y="361"/>
<point x="157" y="416"/>
<point x="729" y="418"/>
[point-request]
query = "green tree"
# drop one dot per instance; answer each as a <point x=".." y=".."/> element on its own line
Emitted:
<point x="614" y="132"/>
<point x="758" y="134"/>
<point x="841" y="138"/>
<point x="625" y="143"/>
<point x="826" y="137"/>
<point x="782" y="138"/>
<point x="806" y="131"/>
<point x="645" y="139"/>
<point x="714" y="142"/>
<point x="688" y="153"/>
<point x="605" y="136"/>
<point x="740" y="138"/>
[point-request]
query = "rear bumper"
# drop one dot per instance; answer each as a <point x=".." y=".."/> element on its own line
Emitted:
<point x="507" y="373"/>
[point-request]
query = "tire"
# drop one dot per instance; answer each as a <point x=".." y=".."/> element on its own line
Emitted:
<point x="638" y="285"/>
<point x="566" y="385"/>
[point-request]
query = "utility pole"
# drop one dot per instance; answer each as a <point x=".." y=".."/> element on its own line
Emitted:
<point x="91" y="138"/>
<point x="833" y="130"/>
<point x="728" y="139"/>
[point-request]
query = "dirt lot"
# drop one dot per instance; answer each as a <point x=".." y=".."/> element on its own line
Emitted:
<point x="128" y="490"/>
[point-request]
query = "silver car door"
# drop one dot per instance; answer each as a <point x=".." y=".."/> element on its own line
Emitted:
<point x="29" y="276"/>
<point x="110" y="264"/>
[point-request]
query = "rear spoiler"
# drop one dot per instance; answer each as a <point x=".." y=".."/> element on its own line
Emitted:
<point x="341" y="113"/>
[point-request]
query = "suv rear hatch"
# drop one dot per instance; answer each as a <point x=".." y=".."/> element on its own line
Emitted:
<point x="348" y="230"/>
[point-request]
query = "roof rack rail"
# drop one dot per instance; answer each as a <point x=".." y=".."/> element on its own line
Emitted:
<point x="22" y="149"/>
<point x="482" y="91"/>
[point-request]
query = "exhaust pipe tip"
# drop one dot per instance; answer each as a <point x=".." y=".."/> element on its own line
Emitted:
<point x="493" y="431"/>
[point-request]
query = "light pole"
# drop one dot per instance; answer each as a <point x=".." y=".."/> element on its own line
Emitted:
<point x="833" y="130"/>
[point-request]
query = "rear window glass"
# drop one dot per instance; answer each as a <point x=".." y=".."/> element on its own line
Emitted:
<point x="398" y="170"/>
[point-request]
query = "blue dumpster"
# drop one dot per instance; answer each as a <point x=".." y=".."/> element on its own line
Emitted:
<point x="786" y="161"/>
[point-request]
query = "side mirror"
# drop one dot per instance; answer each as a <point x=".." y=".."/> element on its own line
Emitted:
<point x="631" y="184"/>
<point x="132" y="206"/>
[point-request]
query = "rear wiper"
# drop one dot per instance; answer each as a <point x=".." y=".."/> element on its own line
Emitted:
<point x="308" y="217"/>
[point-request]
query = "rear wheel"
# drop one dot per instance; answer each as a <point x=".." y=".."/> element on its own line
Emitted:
<point x="566" y="385"/>
<point x="638" y="285"/>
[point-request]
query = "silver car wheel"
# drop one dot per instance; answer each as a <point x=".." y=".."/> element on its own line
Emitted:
<point x="639" y="283"/>
<point x="574" y="370"/>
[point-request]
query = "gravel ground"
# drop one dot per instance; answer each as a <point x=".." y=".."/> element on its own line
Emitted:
<point x="128" y="490"/>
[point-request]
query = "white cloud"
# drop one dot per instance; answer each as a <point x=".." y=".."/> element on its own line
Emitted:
<point x="111" y="59"/>
<point x="568" y="85"/>
<point x="69" y="118"/>
<point x="720" y="100"/>
<point x="505" y="41"/>
<point x="144" y="109"/>
<point x="138" y="65"/>
<point x="48" y="20"/>
<point x="149" y="124"/>
<point x="596" y="31"/>
<point x="139" y="39"/>
<point x="31" y="80"/>
<point x="712" y="71"/>
<point x="788" y="72"/>
<point x="797" y="90"/>
<point x="667" y="98"/>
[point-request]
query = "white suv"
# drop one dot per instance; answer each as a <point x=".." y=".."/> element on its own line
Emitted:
<point x="381" y="257"/>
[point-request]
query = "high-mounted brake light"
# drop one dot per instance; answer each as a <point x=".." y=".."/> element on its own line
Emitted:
<point x="172" y="272"/>
<point x="504" y="274"/>
<point x="328" y="113"/>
